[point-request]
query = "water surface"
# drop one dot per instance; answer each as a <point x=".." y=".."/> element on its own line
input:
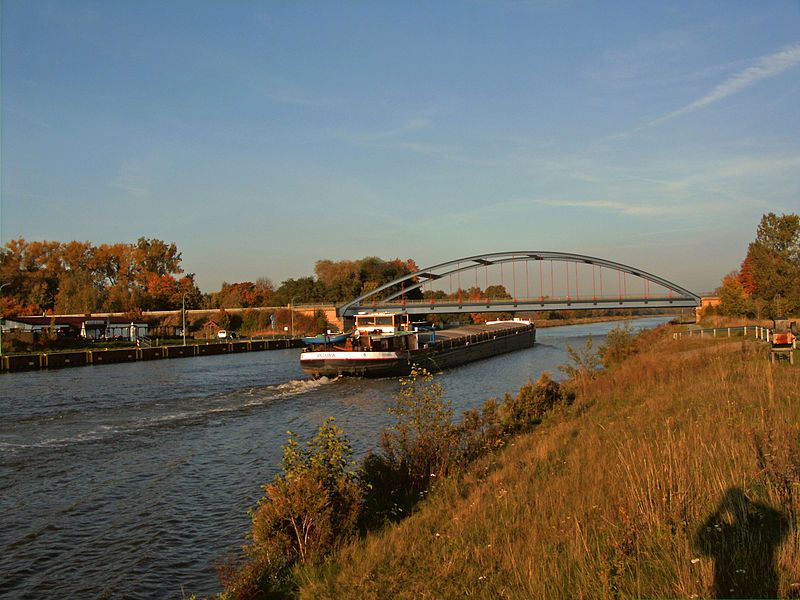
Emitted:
<point x="131" y="480"/>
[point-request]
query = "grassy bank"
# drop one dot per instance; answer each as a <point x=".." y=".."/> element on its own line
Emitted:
<point x="674" y="474"/>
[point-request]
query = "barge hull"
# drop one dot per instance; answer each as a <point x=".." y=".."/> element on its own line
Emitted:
<point x="460" y="346"/>
<point x="395" y="367"/>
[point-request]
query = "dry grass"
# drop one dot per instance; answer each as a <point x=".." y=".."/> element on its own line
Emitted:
<point x="609" y="498"/>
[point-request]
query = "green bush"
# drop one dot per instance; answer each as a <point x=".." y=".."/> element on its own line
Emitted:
<point x="526" y="409"/>
<point x="481" y="430"/>
<point x="422" y="445"/>
<point x="306" y="512"/>
<point x="620" y="344"/>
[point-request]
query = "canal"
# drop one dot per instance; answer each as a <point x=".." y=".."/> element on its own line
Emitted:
<point x="132" y="480"/>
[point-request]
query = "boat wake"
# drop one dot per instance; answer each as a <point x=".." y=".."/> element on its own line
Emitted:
<point x="112" y="422"/>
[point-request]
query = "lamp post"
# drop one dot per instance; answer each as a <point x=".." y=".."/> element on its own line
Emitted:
<point x="183" y="317"/>
<point x="291" y="312"/>
<point x="2" y="285"/>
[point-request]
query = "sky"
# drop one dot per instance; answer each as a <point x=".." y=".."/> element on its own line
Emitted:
<point x="262" y="136"/>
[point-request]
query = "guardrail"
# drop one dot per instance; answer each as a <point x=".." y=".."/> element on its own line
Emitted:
<point x="758" y="332"/>
<point x="778" y="351"/>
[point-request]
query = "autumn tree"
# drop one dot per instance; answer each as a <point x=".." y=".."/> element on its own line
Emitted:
<point x="771" y="270"/>
<point x="245" y="294"/>
<point x="340" y="281"/>
<point x="735" y="300"/>
<point x="77" y="277"/>
<point x="347" y="279"/>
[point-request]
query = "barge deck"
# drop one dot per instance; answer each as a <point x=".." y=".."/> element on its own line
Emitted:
<point x="369" y="352"/>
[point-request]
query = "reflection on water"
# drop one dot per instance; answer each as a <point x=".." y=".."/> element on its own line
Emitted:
<point x="133" y="479"/>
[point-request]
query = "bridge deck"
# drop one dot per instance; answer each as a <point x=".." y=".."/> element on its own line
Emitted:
<point x="521" y="305"/>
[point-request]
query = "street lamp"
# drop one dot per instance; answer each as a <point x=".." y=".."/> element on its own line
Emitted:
<point x="183" y="317"/>
<point x="291" y="312"/>
<point x="2" y="285"/>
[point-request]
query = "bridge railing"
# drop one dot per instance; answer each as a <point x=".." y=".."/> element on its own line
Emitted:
<point x="523" y="300"/>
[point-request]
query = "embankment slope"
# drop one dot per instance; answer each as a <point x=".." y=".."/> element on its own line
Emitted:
<point x="675" y="474"/>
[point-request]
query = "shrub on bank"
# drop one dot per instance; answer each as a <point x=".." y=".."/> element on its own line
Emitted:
<point x="318" y="500"/>
<point x="307" y="511"/>
<point x="526" y="409"/>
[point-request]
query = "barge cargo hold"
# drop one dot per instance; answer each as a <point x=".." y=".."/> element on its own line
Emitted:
<point x="390" y="347"/>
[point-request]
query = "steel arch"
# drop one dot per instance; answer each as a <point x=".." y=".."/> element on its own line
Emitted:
<point x="683" y="296"/>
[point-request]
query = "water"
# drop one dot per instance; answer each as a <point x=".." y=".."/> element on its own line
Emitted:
<point x="132" y="480"/>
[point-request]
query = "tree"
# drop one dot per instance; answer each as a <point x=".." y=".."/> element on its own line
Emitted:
<point x="780" y="235"/>
<point x="347" y="279"/>
<point x="245" y="294"/>
<point x="78" y="277"/>
<point x="735" y="301"/>
<point x="497" y="292"/>
<point x="302" y="290"/>
<point x="772" y="266"/>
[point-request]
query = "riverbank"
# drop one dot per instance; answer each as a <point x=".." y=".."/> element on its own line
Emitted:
<point x="82" y="358"/>
<point x="673" y="474"/>
<point x="545" y="323"/>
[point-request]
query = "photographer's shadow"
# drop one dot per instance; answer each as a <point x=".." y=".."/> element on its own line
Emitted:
<point x="742" y="537"/>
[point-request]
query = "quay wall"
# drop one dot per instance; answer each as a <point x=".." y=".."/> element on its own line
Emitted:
<point x="80" y="358"/>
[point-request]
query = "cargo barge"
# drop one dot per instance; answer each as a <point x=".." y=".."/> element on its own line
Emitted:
<point x="387" y="345"/>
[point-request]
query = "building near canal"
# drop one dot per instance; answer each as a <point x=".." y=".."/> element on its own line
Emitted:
<point x="90" y="328"/>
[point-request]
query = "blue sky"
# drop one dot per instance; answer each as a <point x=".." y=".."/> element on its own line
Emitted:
<point x="262" y="136"/>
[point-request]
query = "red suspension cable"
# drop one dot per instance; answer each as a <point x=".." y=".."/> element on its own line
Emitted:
<point x="514" y="275"/>
<point x="601" y="281"/>
<point x="541" y="282"/>
<point x="568" y="294"/>
<point x="527" y="282"/>
<point x="458" y="274"/>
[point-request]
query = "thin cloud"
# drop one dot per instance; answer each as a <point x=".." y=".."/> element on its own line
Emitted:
<point x="409" y="126"/>
<point x="624" y="208"/>
<point x="610" y="205"/>
<point x="132" y="179"/>
<point x="767" y="66"/>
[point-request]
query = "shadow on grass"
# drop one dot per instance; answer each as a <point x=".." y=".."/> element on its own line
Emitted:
<point x="742" y="537"/>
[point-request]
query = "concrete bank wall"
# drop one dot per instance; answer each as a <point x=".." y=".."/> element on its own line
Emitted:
<point x="80" y="358"/>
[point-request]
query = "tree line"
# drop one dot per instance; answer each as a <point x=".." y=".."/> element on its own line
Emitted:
<point x="51" y="277"/>
<point x="80" y="278"/>
<point x="767" y="284"/>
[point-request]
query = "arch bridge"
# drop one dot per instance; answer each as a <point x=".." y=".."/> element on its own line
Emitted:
<point x="524" y="281"/>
